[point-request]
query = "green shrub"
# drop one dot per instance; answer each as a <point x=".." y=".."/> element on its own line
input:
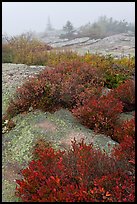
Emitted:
<point x="7" y="54"/>
<point x="114" y="80"/>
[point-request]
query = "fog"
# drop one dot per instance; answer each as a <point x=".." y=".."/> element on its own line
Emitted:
<point x="19" y="17"/>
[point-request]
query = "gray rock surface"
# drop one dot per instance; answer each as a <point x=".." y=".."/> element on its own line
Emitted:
<point x="13" y="75"/>
<point x="127" y="116"/>
<point x="69" y="42"/>
<point x="116" y="45"/>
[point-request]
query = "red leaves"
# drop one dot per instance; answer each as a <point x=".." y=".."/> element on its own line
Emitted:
<point x="85" y="175"/>
<point x="56" y="179"/>
<point x="99" y="114"/>
<point x="126" y="93"/>
<point x="65" y="86"/>
<point x="126" y="128"/>
<point x="126" y="150"/>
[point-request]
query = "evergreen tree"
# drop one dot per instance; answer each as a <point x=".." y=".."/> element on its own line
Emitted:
<point x="68" y="28"/>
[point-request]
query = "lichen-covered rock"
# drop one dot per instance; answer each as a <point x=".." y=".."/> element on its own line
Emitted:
<point x="59" y="128"/>
<point x="126" y="116"/>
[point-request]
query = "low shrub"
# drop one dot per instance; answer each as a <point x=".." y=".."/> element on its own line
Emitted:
<point x="76" y="85"/>
<point x="77" y="77"/>
<point x="121" y="188"/>
<point x="124" y="154"/>
<point x="115" y="71"/>
<point x="126" y="128"/>
<point x="126" y="93"/>
<point x="7" y="53"/>
<point x="76" y="175"/>
<point x="100" y="113"/>
<point x="125" y="65"/>
<point x="63" y="86"/>
<point x="126" y="150"/>
<point x="33" y="93"/>
<point x="26" y="49"/>
<point x="113" y="80"/>
<point x="29" y="50"/>
<point x="55" y="57"/>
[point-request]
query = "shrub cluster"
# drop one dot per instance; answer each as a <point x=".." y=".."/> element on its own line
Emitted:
<point x="7" y="54"/>
<point x="28" y="50"/>
<point x="55" y="57"/>
<point x="126" y="93"/>
<point x="115" y="71"/>
<point x="100" y="114"/>
<point x="126" y="128"/>
<point x="80" y="174"/>
<point x="32" y="93"/>
<point x="64" y="86"/>
<point x="25" y="49"/>
<point x="76" y="85"/>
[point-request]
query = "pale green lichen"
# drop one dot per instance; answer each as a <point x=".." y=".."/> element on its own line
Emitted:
<point x="7" y="94"/>
<point x="8" y="192"/>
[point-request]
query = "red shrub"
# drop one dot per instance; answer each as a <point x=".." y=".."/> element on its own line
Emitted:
<point x="33" y="92"/>
<point x="126" y="150"/>
<point x="99" y="114"/>
<point x="70" y="79"/>
<point x="79" y="174"/>
<point x="126" y="93"/>
<point x="121" y="187"/>
<point x="59" y="87"/>
<point x="126" y="128"/>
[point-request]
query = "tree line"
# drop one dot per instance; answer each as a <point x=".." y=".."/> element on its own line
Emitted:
<point x="103" y="27"/>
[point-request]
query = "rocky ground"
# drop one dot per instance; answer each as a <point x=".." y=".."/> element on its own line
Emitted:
<point x="116" y="45"/>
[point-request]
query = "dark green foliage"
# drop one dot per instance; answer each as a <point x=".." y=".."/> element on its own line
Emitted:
<point x="114" y="80"/>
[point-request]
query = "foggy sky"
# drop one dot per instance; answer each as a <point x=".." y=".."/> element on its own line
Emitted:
<point x="19" y="17"/>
